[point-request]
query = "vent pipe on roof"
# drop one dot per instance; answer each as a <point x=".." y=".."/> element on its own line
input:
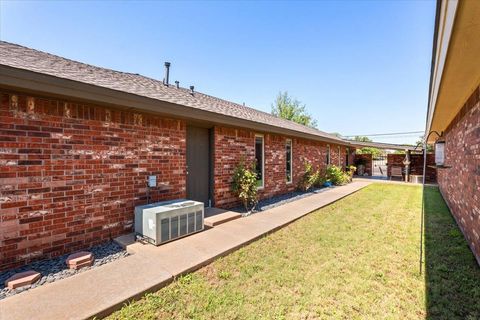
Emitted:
<point x="192" y="90"/>
<point x="177" y="84"/>
<point x="167" y="73"/>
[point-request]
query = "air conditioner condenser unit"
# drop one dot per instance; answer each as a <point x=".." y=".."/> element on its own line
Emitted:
<point x="165" y="221"/>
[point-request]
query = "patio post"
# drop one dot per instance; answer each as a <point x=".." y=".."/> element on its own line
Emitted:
<point x="407" y="165"/>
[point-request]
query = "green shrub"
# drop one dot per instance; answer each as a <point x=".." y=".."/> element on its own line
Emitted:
<point x="321" y="178"/>
<point x="336" y="175"/>
<point x="333" y="174"/>
<point x="309" y="177"/>
<point x="244" y="185"/>
<point x="351" y="169"/>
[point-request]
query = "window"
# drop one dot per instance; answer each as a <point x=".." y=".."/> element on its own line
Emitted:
<point x="339" y="157"/>
<point x="346" y="157"/>
<point x="259" y="160"/>
<point x="328" y="154"/>
<point x="288" y="160"/>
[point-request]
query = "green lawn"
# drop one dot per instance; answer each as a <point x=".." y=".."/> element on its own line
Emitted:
<point x="355" y="259"/>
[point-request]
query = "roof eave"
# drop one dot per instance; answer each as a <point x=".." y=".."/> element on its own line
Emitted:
<point x="20" y="79"/>
<point x="444" y="21"/>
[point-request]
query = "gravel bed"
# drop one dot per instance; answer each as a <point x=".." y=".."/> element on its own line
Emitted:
<point x="279" y="200"/>
<point x="56" y="269"/>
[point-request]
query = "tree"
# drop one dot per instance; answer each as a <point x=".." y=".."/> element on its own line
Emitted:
<point x="420" y="144"/>
<point x="291" y="109"/>
<point x="362" y="139"/>
<point x="375" y="152"/>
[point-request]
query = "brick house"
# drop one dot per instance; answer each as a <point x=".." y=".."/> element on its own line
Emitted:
<point x="77" y="143"/>
<point x="454" y="111"/>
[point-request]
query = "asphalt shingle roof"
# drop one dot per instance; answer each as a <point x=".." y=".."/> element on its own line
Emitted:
<point x="21" y="57"/>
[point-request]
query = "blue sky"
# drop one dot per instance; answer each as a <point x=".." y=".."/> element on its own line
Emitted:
<point x="360" y="67"/>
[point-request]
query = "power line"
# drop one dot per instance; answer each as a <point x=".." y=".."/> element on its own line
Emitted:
<point x="384" y="134"/>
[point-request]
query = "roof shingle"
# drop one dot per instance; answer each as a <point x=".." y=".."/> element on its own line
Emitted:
<point x="20" y="57"/>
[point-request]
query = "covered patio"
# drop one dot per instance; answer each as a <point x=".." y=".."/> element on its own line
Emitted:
<point x="396" y="161"/>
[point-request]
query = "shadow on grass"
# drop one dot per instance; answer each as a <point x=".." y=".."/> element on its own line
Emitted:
<point x="452" y="274"/>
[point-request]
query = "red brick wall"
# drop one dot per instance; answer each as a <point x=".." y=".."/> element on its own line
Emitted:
<point x="338" y="158"/>
<point x="460" y="184"/>
<point x="416" y="165"/>
<point x="369" y="162"/>
<point x="233" y="144"/>
<point x="71" y="173"/>
<point x="307" y="151"/>
<point x="275" y="165"/>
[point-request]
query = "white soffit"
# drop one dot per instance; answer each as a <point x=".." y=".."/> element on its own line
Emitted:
<point x="445" y="27"/>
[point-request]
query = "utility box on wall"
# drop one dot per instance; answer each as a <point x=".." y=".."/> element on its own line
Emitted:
<point x="152" y="181"/>
<point x="162" y="222"/>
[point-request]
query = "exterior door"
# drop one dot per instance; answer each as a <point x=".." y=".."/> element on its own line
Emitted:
<point x="198" y="164"/>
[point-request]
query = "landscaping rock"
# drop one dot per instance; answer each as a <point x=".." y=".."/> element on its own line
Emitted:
<point x="56" y="269"/>
<point x="276" y="201"/>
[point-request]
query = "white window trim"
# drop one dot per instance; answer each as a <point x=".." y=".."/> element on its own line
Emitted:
<point x="291" y="159"/>
<point x="329" y="155"/>
<point x="258" y="135"/>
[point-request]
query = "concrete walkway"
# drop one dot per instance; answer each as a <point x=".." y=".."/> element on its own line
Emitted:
<point x="102" y="290"/>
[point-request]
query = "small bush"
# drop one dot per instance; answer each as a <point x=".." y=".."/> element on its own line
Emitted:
<point x="244" y="185"/>
<point x="351" y="171"/>
<point x="309" y="178"/>
<point x="321" y="179"/>
<point x="336" y="176"/>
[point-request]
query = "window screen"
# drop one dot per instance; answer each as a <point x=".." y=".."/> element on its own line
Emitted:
<point x="339" y="157"/>
<point x="259" y="159"/>
<point x="288" y="162"/>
